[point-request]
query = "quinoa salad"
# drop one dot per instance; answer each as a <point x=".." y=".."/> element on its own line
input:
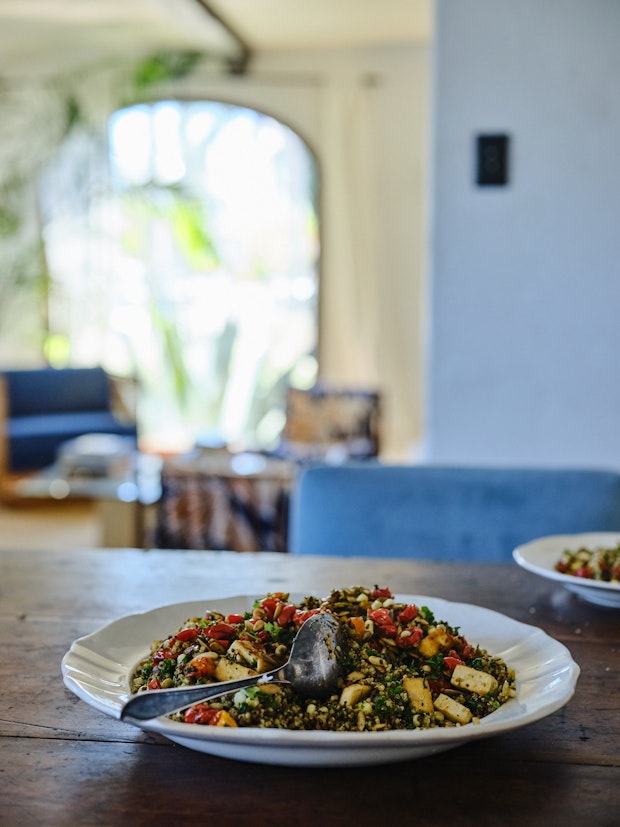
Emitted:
<point x="403" y="668"/>
<point x="602" y="564"/>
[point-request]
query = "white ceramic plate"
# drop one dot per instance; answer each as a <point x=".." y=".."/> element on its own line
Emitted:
<point x="540" y="557"/>
<point x="98" y="667"/>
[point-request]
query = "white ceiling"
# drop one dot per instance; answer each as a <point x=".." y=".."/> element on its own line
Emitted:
<point x="282" y="24"/>
<point x="57" y="36"/>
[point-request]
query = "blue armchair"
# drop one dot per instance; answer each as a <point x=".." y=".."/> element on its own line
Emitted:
<point x="445" y="513"/>
<point x="42" y="408"/>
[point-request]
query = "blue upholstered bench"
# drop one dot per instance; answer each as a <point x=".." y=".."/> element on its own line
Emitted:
<point x="445" y="513"/>
<point x="45" y="407"/>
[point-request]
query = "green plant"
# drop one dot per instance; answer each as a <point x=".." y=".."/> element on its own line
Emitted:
<point x="49" y="112"/>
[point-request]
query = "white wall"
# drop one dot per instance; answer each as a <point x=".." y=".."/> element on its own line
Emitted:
<point x="524" y="346"/>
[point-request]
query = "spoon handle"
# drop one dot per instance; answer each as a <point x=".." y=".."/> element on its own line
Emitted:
<point x="155" y="702"/>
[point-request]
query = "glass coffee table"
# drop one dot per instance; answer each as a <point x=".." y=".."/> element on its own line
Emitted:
<point x="124" y="497"/>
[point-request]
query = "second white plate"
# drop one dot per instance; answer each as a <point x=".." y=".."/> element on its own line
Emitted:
<point x="540" y="557"/>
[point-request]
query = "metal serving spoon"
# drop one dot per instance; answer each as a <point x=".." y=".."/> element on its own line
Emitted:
<point x="312" y="669"/>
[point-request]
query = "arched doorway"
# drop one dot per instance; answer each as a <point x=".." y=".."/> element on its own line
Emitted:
<point x="191" y="261"/>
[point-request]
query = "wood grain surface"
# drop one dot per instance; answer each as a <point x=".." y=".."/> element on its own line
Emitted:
<point x="64" y="763"/>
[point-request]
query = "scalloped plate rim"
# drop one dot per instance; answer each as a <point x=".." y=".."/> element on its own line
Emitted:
<point x="540" y="555"/>
<point x="106" y="690"/>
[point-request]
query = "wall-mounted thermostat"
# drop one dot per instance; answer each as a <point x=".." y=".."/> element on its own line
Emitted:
<point x="492" y="160"/>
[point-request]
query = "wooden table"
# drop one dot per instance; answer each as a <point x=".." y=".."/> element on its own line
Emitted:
<point x="64" y="763"/>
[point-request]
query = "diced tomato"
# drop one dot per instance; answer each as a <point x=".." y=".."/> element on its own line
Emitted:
<point x="200" y="714"/>
<point x="153" y="684"/>
<point x="234" y="619"/>
<point x="410" y="612"/>
<point x="382" y="619"/>
<point x="286" y="614"/>
<point x="410" y="640"/>
<point x="468" y="651"/>
<point x="269" y="605"/>
<point x="452" y="659"/>
<point x="187" y="634"/>
<point x="301" y="616"/>
<point x="584" y="571"/>
<point x="204" y="714"/>
<point x="377" y="594"/>
<point x="220" y="631"/>
<point x="438" y="685"/>
<point x="163" y="654"/>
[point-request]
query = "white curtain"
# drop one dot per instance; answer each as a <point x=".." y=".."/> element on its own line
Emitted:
<point x="370" y="333"/>
<point x="364" y="115"/>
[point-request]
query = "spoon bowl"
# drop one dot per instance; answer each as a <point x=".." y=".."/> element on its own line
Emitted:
<point x="313" y="670"/>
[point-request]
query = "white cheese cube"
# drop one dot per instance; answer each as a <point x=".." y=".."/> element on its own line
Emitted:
<point x="228" y="671"/>
<point x="464" y="677"/>
<point x="453" y="710"/>
<point x="353" y="693"/>
<point x="419" y="694"/>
